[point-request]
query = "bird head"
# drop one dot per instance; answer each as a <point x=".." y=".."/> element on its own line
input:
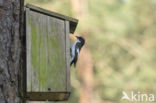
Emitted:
<point x="81" y="39"/>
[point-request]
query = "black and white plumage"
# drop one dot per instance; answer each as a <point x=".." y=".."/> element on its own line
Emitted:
<point x="75" y="50"/>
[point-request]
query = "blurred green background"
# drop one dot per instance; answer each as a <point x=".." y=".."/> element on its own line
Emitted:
<point x="120" y="50"/>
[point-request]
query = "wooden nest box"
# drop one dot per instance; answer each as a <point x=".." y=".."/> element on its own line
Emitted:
<point x="47" y="55"/>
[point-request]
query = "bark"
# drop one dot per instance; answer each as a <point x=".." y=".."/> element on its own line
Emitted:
<point x="80" y="8"/>
<point x="85" y="71"/>
<point x="10" y="50"/>
<point x="85" y="62"/>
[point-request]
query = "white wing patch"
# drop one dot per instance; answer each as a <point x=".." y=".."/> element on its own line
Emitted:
<point x="73" y="51"/>
<point x="78" y="52"/>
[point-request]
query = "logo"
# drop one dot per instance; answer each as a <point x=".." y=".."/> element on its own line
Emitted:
<point x="138" y="97"/>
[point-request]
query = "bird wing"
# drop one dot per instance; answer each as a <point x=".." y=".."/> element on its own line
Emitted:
<point x="75" y="52"/>
<point x="73" y="48"/>
<point x="78" y="52"/>
<point x="70" y="52"/>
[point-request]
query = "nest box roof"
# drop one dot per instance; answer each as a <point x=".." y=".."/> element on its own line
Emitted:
<point x="73" y="22"/>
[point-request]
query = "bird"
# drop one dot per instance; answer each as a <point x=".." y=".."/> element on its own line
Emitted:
<point x="75" y="50"/>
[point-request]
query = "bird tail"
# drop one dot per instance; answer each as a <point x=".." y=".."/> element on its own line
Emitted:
<point x="72" y="63"/>
<point x="75" y="65"/>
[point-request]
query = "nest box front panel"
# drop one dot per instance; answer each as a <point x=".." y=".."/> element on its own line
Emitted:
<point x="46" y="47"/>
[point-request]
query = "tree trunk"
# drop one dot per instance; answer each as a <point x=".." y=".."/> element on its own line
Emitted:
<point x="85" y="71"/>
<point x="85" y="62"/>
<point x="80" y="8"/>
<point x="10" y="50"/>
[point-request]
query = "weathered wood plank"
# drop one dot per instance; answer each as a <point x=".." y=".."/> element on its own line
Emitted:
<point x="67" y="54"/>
<point x="28" y="42"/>
<point x="46" y="64"/>
<point x="73" y="22"/>
<point x="51" y="96"/>
<point x="1" y="3"/>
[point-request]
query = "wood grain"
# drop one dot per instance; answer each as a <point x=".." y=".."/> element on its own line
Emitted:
<point x="46" y="64"/>
<point x="67" y="54"/>
<point x="72" y="22"/>
<point x="48" y="50"/>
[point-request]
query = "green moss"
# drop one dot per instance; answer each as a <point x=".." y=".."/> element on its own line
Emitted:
<point x="34" y="46"/>
<point x="47" y="57"/>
